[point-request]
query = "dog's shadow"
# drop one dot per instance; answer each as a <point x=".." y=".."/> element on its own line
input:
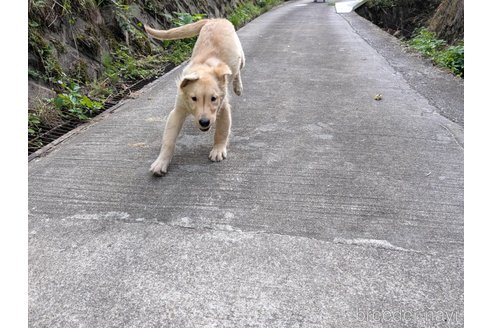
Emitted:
<point x="192" y="149"/>
<point x="191" y="152"/>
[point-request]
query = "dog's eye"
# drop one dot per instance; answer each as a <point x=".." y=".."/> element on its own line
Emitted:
<point x="214" y="98"/>
<point x="194" y="98"/>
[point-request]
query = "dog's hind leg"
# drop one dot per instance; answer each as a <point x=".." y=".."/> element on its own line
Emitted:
<point x="171" y="131"/>
<point x="222" y="130"/>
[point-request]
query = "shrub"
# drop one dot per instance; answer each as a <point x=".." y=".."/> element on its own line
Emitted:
<point x="73" y="103"/>
<point x="244" y="13"/>
<point x="451" y="57"/>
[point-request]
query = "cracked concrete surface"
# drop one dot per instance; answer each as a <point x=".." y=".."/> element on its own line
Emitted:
<point x="331" y="210"/>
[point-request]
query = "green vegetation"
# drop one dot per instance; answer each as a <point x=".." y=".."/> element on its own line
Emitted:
<point x="33" y="123"/>
<point x="180" y="50"/>
<point x="184" y="18"/>
<point x="123" y="66"/>
<point x="244" y="13"/>
<point x="443" y="55"/>
<point x="77" y="96"/>
<point x="73" y="103"/>
<point x="249" y="10"/>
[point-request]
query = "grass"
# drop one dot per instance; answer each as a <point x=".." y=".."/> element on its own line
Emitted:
<point x="442" y="54"/>
<point x="244" y="13"/>
<point x="249" y="10"/>
<point x="120" y="65"/>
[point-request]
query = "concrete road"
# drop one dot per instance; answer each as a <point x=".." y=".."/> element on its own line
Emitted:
<point x="332" y="209"/>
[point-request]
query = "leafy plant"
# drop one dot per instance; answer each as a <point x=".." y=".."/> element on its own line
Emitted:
<point x="426" y="42"/>
<point x="184" y="18"/>
<point x="33" y="122"/>
<point x="73" y="102"/>
<point x="443" y="55"/>
<point x="453" y="58"/>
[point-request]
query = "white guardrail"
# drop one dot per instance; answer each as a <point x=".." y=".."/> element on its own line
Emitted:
<point x="343" y="7"/>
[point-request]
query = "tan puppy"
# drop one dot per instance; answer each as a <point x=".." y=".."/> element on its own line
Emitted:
<point x="202" y="90"/>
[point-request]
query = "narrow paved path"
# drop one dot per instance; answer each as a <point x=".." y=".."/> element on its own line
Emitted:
<point x="331" y="210"/>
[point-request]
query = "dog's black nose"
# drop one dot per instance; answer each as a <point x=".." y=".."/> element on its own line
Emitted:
<point x="204" y="122"/>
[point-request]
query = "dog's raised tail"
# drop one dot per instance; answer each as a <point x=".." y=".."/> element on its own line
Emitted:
<point x="182" y="32"/>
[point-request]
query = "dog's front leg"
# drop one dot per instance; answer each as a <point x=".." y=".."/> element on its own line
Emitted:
<point x="222" y="129"/>
<point x="171" y="131"/>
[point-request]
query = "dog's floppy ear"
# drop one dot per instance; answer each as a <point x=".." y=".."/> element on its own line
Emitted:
<point x="187" y="79"/>
<point x="222" y="71"/>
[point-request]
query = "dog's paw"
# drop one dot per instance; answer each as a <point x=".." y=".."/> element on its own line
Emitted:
<point x="238" y="87"/>
<point x="159" y="167"/>
<point x="218" y="153"/>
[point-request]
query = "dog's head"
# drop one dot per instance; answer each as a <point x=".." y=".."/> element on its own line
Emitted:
<point x="203" y="92"/>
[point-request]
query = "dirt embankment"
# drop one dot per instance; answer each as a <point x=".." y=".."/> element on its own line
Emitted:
<point x="74" y="38"/>
<point x="402" y="17"/>
<point x="448" y="21"/>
